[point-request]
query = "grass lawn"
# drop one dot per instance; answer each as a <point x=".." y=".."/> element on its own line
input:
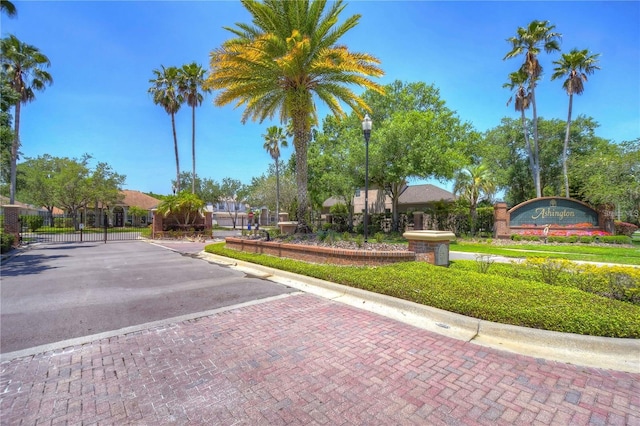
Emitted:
<point x="587" y="252"/>
<point x="503" y="299"/>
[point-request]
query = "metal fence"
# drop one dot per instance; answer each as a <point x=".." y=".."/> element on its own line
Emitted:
<point x="45" y="228"/>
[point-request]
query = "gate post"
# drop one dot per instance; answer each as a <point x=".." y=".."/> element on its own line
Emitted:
<point x="12" y="222"/>
<point x="156" y="228"/>
<point x="208" y="223"/>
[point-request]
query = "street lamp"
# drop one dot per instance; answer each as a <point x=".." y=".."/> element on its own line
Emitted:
<point x="366" y="129"/>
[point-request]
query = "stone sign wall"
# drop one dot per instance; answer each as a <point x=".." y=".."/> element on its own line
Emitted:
<point x="549" y="212"/>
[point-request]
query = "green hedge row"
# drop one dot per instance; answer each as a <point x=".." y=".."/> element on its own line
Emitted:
<point x="502" y="299"/>
<point x="584" y="239"/>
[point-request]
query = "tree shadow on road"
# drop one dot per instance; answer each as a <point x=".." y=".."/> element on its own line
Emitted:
<point x="27" y="264"/>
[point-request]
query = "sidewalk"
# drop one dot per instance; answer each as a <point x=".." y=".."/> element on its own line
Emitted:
<point x="301" y="360"/>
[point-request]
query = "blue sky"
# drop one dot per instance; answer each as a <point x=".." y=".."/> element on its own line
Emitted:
<point x="103" y="53"/>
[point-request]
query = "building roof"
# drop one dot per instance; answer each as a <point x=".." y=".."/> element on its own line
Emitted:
<point x="139" y="199"/>
<point x="427" y="193"/>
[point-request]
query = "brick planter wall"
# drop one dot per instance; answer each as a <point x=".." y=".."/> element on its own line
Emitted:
<point x="316" y="254"/>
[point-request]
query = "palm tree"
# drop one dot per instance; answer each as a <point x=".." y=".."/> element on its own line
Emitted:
<point x="518" y="81"/>
<point x="281" y="60"/>
<point x="471" y="184"/>
<point x="166" y="94"/>
<point x="273" y="140"/>
<point x="575" y="66"/>
<point x="190" y="85"/>
<point x="8" y="7"/>
<point x="23" y="64"/>
<point x="529" y="41"/>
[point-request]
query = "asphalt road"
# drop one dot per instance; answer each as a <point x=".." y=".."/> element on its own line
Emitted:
<point x="56" y="292"/>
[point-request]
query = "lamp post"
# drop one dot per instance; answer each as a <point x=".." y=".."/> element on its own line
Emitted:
<point x="366" y="130"/>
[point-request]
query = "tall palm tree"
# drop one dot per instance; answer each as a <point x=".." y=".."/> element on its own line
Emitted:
<point x="24" y="65"/>
<point x="190" y="85"/>
<point x="575" y="66"/>
<point x="471" y="184"/>
<point x="165" y="93"/>
<point x="273" y="140"/>
<point x="8" y="7"/>
<point x="530" y="41"/>
<point x="276" y="64"/>
<point x="522" y="102"/>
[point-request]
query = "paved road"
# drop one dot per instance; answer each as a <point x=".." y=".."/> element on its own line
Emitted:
<point x="299" y="359"/>
<point x="62" y="291"/>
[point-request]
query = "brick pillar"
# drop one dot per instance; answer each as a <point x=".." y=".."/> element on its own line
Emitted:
<point x="430" y="246"/>
<point x="157" y="231"/>
<point x="501" y="221"/>
<point x="418" y="221"/>
<point x="12" y="222"/>
<point x="208" y="223"/>
<point x="606" y="215"/>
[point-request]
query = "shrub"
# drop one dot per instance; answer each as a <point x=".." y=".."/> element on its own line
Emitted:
<point x="586" y="239"/>
<point x="62" y="222"/>
<point x="516" y="237"/>
<point x="6" y="242"/>
<point x="484" y="262"/>
<point x="346" y="236"/>
<point x="340" y="217"/>
<point x="359" y="240"/>
<point x="32" y="222"/>
<point x="550" y="269"/>
<point x="624" y="228"/>
<point x="615" y="239"/>
<point x="572" y="239"/>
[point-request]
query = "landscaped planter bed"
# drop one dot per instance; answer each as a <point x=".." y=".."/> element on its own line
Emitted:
<point x="320" y="254"/>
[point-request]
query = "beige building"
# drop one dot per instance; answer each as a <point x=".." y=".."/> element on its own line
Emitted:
<point x="415" y="198"/>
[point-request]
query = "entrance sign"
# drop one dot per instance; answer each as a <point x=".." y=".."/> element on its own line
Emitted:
<point x="561" y="212"/>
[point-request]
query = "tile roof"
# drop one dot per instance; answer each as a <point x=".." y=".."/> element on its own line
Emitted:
<point x="139" y="199"/>
<point x="426" y="193"/>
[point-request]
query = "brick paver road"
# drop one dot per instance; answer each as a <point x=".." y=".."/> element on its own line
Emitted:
<point x="305" y="360"/>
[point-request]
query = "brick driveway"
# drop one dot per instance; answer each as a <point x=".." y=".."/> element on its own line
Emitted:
<point x="305" y="360"/>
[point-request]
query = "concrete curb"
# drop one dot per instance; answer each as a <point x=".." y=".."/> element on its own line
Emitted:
<point x="599" y="352"/>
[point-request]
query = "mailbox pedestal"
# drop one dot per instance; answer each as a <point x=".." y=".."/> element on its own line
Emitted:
<point x="430" y="246"/>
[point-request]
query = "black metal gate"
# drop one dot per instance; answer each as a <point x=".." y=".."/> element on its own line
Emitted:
<point x="46" y="228"/>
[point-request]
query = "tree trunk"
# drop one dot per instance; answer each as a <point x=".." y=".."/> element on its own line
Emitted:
<point x="536" y="156"/>
<point x="193" y="148"/>
<point x="565" y="149"/>
<point x="175" y="148"/>
<point x="277" y="192"/>
<point x="527" y="143"/>
<point x="300" y="143"/>
<point x="14" y="155"/>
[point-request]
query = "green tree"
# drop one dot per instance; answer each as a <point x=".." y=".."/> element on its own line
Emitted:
<point x="522" y="102"/>
<point x="191" y="77"/>
<point x="136" y="213"/>
<point x="8" y="7"/>
<point x="610" y="174"/>
<point x="473" y="184"/>
<point x="184" y="207"/>
<point x="24" y="66"/>
<point x="278" y="62"/>
<point x="261" y="191"/>
<point x="166" y="93"/>
<point x="575" y="66"/>
<point x="417" y="137"/>
<point x="273" y="140"/>
<point x="8" y="98"/>
<point x="233" y="194"/>
<point x="529" y="41"/>
<point x="106" y="186"/>
<point x="40" y="181"/>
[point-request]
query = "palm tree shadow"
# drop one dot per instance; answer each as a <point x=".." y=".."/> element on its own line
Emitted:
<point x="27" y="264"/>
